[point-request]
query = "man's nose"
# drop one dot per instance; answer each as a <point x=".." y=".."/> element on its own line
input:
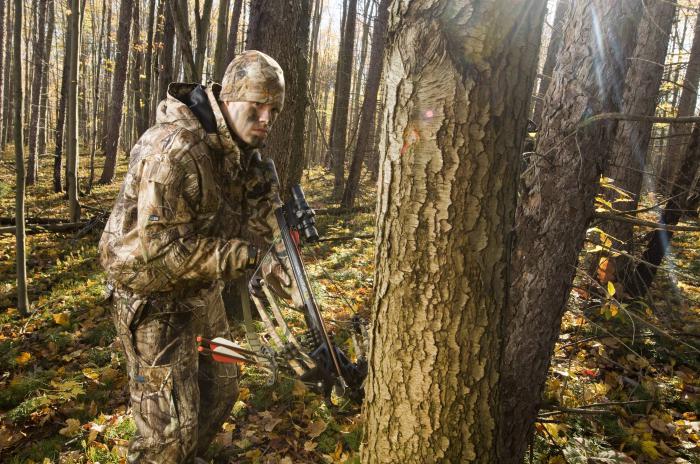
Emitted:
<point x="265" y="115"/>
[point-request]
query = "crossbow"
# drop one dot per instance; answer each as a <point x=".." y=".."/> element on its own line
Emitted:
<point x="311" y="356"/>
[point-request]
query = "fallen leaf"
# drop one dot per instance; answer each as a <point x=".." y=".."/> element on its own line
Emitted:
<point x="62" y="319"/>
<point x="316" y="428"/>
<point x="23" y="358"/>
<point x="72" y="428"/>
<point x="310" y="445"/>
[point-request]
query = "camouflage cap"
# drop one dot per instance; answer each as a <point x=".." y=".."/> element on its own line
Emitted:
<point x="253" y="76"/>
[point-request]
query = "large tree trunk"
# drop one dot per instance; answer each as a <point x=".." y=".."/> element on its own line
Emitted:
<point x="342" y="91"/>
<point x="456" y="115"/>
<point x="282" y="31"/>
<point x="560" y="15"/>
<point x="221" y="42"/>
<point x="38" y="58"/>
<point x="369" y="105"/>
<point x="114" y="119"/>
<point x="73" y="148"/>
<point x="43" y="101"/>
<point x="629" y="149"/>
<point x="639" y="282"/>
<point x="20" y="234"/>
<point x="557" y="206"/>
<point x="686" y="107"/>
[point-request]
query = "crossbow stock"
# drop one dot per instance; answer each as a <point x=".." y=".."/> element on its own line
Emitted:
<point x="311" y="355"/>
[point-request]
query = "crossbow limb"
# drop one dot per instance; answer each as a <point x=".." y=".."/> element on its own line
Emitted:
<point x="313" y="357"/>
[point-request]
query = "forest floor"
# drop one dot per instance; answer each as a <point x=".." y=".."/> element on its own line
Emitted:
<point x="624" y="385"/>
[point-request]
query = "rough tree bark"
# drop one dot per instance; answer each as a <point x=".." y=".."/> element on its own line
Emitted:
<point x="555" y="211"/>
<point x="221" y="42"/>
<point x="455" y="119"/>
<point x="629" y="149"/>
<point x="20" y="233"/>
<point x="365" y="131"/>
<point x="37" y="78"/>
<point x="342" y="91"/>
<point x="72" y="139"/>
<point x="562" y="9"/>
<point x="686" y="107"/>
<point x="114" y="119"/>
<point x="639" y="282"/>
<point x="281" y="29"/>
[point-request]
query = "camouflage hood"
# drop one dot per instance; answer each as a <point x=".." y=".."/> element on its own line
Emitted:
<point x="175" y="109"/>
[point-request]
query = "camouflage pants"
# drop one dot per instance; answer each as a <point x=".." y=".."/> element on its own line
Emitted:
<point x="179" y="399"/>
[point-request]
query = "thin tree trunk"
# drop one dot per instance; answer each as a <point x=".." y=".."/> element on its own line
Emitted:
<point x="456" y="116"/>
<point x="369" y="105"/>
<point x="37" y="57"/>
<point x="109" y="73"/>
<point x="221" y="42"/>
<point x="554" y="213"/>
<point x="166" y="60"/>
<point x="73" y="152"/>
<point x="7" y="81"/>
<point x="639" y="282"/>
<point x="20" y="233"/>
<point x="97" y="73"/>
<point x="312" y="115"/>
<point x="552" y="51"/>
<point x="111" y="140"/>
<point x="145" y="119"/>
<point x="158" y="45"/>
<point x="338" y="66"/>
<point x="282" y="31"/>
<point x="342" y="89"/>
<point x="136" y="116"/>
<point x="3" y="11"/>
<point x="43" y="101"/>
<point x="61" y="119"/>
<point x="233" y="31"/>
<point x="357" y="82"/>
<point x="202" y="31"/>
<point x="30" y="20"/>
<point x="178" y="9"/>
<point x="686" y="107"/>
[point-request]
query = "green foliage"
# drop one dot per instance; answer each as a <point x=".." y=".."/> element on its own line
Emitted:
<point x="22" y="385"/>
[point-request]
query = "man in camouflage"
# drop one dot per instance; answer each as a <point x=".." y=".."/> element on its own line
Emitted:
<point x="194" y="190"/>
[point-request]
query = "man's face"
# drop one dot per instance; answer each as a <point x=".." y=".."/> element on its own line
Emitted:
<point x="251" y="121"/>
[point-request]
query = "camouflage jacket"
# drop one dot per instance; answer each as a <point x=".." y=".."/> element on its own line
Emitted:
<point x="188" y="198"/>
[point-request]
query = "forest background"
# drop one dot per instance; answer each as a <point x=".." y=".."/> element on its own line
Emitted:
<point x="532" y="287"/>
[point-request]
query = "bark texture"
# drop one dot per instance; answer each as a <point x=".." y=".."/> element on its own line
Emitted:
<point x="165" y="62"/>
<point x="555" y="210"/>
<point x="281" y="29"/>
<point x="454" y="122"/>
<point x="43" y="101"/>
<point x="560" y="15"/>
<point x="233" y="31"/>
<point x="629" y="149"/>
<point x="686" y="107"/>
<point x="72" y="148"/>
<point x="369" y="105"/>
<point x="114" y="118"/>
